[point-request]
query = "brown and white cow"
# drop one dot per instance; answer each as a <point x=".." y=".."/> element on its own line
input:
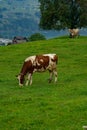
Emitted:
<point x="38" y="63"/>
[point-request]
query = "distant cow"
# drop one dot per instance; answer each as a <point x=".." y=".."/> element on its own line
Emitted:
<point x="74" y="32"/>
<point x="38" y="63"/>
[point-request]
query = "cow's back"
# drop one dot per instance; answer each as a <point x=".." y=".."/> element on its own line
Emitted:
<point x="41" y="62"/>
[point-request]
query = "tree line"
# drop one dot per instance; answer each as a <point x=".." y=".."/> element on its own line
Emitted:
<point x="62" y="14"/>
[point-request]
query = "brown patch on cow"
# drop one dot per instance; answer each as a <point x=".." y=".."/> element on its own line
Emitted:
<point x="26" y="67"/>
<point x="41" y="61"/>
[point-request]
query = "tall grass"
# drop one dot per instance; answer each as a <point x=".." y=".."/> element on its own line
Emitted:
<point x="44" y="106"/>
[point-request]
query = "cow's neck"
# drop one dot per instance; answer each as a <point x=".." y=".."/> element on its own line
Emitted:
<point x="24" y="70"/>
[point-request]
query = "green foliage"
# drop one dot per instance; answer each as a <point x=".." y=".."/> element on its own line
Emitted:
<point x="36" y="37"/>
<point x="56" y="14"/>
<point x="44" y="106"/>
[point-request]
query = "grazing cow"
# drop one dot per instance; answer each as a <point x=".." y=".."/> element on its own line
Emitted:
<point x="38" y="63"/>
<point x="74" y="32"/>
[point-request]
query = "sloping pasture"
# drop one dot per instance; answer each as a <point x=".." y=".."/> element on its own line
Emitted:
<point x="44" y="106"/>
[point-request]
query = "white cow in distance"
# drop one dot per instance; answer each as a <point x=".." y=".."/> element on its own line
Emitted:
<point x="74" y="32"/>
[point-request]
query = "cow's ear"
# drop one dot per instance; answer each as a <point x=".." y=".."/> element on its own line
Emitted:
<point x="16" y="75"/>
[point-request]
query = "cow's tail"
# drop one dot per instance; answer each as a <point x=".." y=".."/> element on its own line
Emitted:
<point x="56" y="59"/>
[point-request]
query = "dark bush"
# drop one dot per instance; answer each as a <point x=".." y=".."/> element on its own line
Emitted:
<point x="36" y="37"/>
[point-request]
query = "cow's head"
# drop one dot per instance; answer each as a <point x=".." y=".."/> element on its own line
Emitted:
<point x="20" y="78"/>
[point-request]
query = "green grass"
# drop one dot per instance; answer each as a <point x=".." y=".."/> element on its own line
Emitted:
<point x="44" y="106"/>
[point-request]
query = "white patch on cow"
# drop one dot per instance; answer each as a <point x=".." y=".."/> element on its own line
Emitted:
<point x="41" y="60"/>
<point x="50" y="55"/>
<point x="37" y="63"/>
<point x="31" y="58"/>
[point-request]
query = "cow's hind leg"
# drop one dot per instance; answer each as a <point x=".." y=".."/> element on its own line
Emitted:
<point x="55" y="74"/>
<point x="51" y="76"/>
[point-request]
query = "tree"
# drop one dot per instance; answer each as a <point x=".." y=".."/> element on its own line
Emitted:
<point x="61" y="14"/>
<point x="36" y="37"/>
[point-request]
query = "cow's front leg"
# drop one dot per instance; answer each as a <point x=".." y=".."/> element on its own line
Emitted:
<point x="28" y="79"/>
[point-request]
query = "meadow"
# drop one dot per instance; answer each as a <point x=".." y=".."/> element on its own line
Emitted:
<point x="44" y="106"/>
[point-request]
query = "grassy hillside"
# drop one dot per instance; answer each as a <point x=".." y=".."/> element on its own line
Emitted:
<point x="44" y="106"/>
